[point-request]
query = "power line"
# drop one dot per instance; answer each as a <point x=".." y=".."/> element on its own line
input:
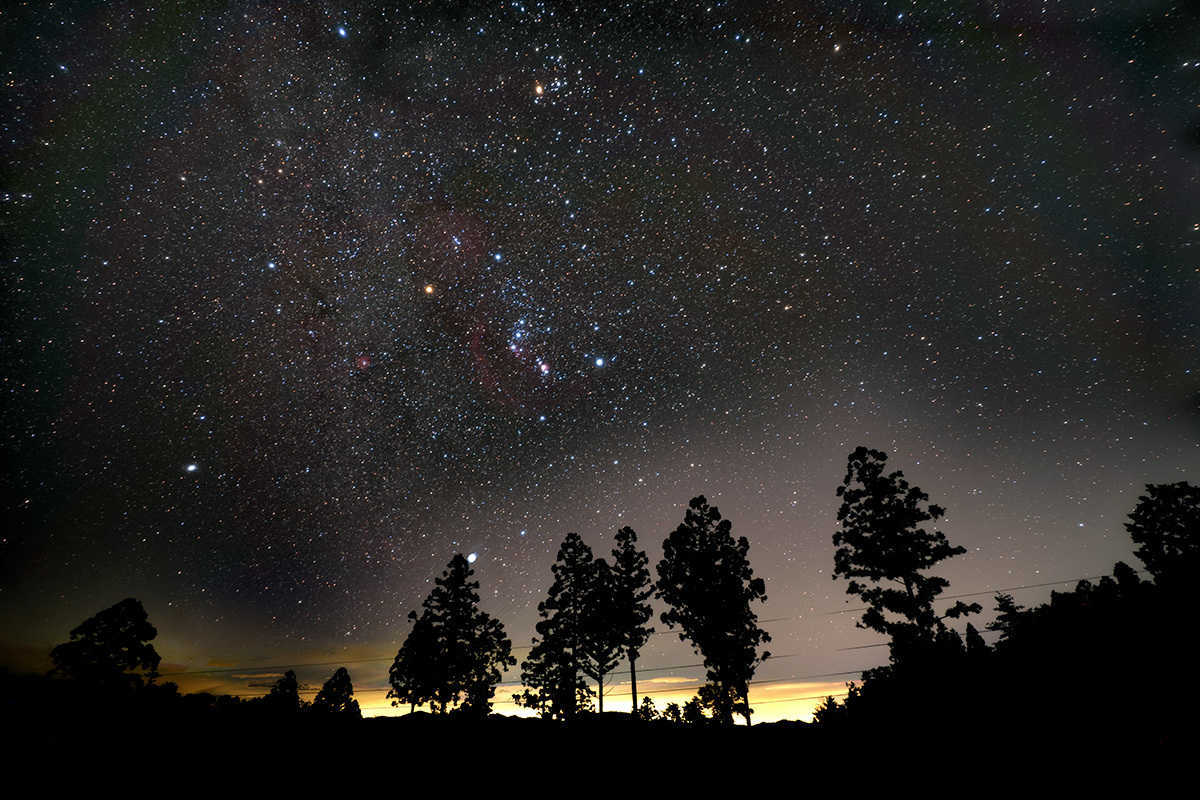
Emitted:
<point x="690" y="686"/>
<point x="794" y="699"/>
<point x="249" y="668"/>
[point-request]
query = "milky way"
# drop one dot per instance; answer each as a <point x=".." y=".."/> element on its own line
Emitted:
<point x="301" y="300"/>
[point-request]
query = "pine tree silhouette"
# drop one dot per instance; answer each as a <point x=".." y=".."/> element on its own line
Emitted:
<point x="553" y="670"/>
<point x="706" y="580"/>
<point x="633" y="591"/>
<point x="882" y="542"/>
<point x="337" y="696"/>
<point x="455" y="654"/>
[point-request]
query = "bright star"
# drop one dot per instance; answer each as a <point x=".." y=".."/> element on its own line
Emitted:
<point x="192" y="467"/>
<point x="599" y="362"/>
<point x="471" y="558"/>
<point x="342" y="32"/>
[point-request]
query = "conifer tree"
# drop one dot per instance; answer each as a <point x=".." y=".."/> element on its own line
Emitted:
<point x="337" y="696"/>
<point x="284" y="697"/>
<point x="706" y="580"/>
<point x="552" y="671"/>
<point x="633" y="591"/>
<point x="882" y="542"/>
<point x="603" y="639"/>
<point x="415" y="674"/>
<point x="460" y="652"/>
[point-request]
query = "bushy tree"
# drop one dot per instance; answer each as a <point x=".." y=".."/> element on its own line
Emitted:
<point x="110" y="650"/>
<point x="284" y="697"/>
<point x="706" y="580"/>
<point x="458" y="652"/>
<point x="554" y="684"/>
<point x="832" y="714"/>
<point x="723" y="701"/>
<point x="1165" y="525"/>
<point x="337" y="696"/>
<point x="883" y="551"/>
<point x="693" y="713"/>
<point x="632" y="589"/>
<point x="647" y="712"/>
<point x="976" y="647"/>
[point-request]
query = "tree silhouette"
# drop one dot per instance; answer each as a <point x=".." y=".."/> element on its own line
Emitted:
<point x="1009" y="617"/>
<point x="830" y="713"/>
<point x="706" y="579"/>
<point x="415" y="674"/>
<point x="603" y="639"/>
<point x="105" y="649"/>
<point x="284" y="697"/>
<point x="881" y="540"/>
<point x="693" y="713"/>
<point x="647" y="712"/>
<point x="976" y="647"/>
<point x="632" y="589"/>
<point x="554" y="684"/>
<point x="456" y="653"/>
<point x="337" y="696"/>
<point x="1166" y="526"/>
<point x="552" y="671"/>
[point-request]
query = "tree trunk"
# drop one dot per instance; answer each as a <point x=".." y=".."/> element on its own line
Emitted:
<point x="633" y="679"/>
<point x="600" y="692"/>
<point x="747" y="699"/>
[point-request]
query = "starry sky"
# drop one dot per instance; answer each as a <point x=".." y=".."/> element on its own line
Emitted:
<point x="301" y="299"/>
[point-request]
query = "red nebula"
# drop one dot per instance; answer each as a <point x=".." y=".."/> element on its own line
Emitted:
<point x="363" y="362"/>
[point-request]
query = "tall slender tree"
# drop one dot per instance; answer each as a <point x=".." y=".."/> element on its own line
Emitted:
<point x="706" y="580"/>
<point x="881" y="540"/>
<point x="633" y="590"/>
<point x="603" y="639"/>
<point x="554" y="666"/>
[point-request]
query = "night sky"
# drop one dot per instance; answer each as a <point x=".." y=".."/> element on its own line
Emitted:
<point x="299" y="300"/>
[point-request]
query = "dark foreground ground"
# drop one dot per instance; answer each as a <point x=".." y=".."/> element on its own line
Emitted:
<point x="397" y="755"/>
